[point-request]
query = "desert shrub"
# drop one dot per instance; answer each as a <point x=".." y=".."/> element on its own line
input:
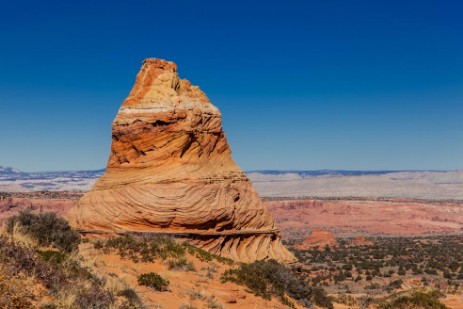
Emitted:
<point x="154" y="281"/>
<point x="269" y="278"/>
<point x="413" y="299"/>
<point x="180" y="264"/>
<point x="46" y="228"/>
<point x="372" y="286"/>
<point x="393" y="285"/>
<point x="98" y="244"/>
<point x="132" y="299"/>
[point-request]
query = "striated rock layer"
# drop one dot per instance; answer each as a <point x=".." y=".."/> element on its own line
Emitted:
<point x="170" y="171"/>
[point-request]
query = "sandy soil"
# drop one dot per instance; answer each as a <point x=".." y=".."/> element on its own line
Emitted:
<point x="453" y="301"/>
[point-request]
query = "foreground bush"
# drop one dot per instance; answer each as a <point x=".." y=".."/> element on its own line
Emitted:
<point x="154" y="281"/>
<point x="67" y="283"/>
<point x="269" y="278"/>
<point x="46" y="228"/>
<point x="58" y="273"/>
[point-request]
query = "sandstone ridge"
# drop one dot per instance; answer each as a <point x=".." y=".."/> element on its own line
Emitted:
<point x="170" y="170"/>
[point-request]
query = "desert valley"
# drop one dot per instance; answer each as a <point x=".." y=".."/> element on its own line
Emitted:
<point x="172" y="222"/>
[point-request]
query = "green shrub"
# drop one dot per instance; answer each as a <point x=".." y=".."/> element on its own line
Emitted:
<point x="393" y="285"/>
<point x="47" y="229"/>
<point x="154" y="281"/>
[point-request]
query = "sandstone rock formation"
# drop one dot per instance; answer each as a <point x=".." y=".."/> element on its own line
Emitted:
<point x="170" y="171"/>
<point x="317" y="238"/>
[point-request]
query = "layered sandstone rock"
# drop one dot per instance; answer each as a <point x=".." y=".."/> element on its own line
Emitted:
<point x="170" y="171"/>
<point x="317" y="238"/>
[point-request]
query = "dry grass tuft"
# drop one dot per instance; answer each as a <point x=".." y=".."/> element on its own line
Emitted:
<point x="18" y="236"/>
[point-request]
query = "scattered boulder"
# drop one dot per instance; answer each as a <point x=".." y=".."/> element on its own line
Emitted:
<point x="317" y="238"/>
<point x="361" y="241"/>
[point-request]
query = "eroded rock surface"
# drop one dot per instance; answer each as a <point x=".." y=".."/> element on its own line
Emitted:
<point x="170" y="171"/>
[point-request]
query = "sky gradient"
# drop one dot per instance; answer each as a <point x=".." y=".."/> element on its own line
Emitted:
<point x="355" y="85"/>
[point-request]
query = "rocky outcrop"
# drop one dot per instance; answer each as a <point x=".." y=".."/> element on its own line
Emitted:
<point x="317" y="238"/>
<point x="170" y="171"/>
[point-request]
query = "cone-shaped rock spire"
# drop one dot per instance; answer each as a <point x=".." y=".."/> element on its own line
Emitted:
<point x="170" y="171"/>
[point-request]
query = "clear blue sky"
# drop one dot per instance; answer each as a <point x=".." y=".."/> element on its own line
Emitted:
<point x="364" y="85"/>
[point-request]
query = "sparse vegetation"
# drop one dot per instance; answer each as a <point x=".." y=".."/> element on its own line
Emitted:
<point x="269" y="278"/>
<point x="388" y="266"/>
<point x="144" y="248"/>
<point x="204" y="255"/>
<point x="61" y="276"/>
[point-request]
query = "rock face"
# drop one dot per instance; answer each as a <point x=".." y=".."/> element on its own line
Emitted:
<point x="318" y="238"/>
<point x="170" y="171"/>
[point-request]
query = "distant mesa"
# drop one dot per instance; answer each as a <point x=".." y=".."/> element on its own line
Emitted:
<point x="170" y="171"/>
<point x="5" y="170"/>
<point x="317" y="239"/>
<point x="362" y="241"/>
